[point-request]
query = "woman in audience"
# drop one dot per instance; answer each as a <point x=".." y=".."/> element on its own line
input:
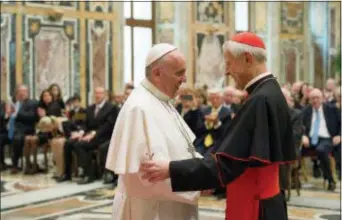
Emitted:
<point x="201" y="98"/>
<point x="303" y="96"/>
<point x="47" y="106"/>
<point x="57" y="94"/>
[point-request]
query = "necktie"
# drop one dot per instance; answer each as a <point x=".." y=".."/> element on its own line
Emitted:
<point x="209" y="140"/>
<point x="11" y="127"/>
<point x="314" y="138"/>
<point x="96" y="110"/>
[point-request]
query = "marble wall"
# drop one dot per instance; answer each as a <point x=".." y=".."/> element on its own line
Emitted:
<point x="292" y="35"/>
<point x="48" y="54"/>
<point x="8" y="61"/>
<point x="210" y="29"/>
<point x="68" y="43"/>
<point x="79" y="45"/>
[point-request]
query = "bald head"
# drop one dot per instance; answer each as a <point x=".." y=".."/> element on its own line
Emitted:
<point x="316" y="98"/>
<point x="316" y="93"/>
<point x="215" y="97"/>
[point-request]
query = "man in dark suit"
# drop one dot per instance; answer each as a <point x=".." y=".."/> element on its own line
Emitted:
<point x="100" y="121"/>
<point x="322" y="131"/>
<point x="24" y="117"/>
<point x="5" y="112"/>
<point x="215" y="118"/>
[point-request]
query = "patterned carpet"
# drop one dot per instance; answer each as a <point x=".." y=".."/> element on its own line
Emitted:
<point x="40" y="197"/>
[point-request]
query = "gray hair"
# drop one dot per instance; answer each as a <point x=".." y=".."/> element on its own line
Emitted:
<point x="236" y="49"/>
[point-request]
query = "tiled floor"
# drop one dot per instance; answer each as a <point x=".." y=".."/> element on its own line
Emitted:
<point x="39" y="197"/>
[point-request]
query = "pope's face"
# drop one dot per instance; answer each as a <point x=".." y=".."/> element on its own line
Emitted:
<point x="236" y="68"/>
<point x="173" y="74"/>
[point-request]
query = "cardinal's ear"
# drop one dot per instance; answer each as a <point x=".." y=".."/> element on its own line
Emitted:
<point x="248" y="58"/>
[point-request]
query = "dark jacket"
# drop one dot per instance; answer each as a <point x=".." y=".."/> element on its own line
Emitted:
<point x="332" y="118"/>
<point x="103" y="123"/>
<point x="27" y="117"/>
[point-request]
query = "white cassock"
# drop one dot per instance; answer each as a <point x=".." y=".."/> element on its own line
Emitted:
<point x="148" y="125"/>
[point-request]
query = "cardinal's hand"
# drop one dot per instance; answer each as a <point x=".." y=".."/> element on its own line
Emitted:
<point x="155" y="171"/>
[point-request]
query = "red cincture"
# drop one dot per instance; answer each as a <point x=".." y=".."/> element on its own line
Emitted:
<point x="244" y="193"/>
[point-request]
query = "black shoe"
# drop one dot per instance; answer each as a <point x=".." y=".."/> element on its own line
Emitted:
<point x="63" y="178"/>
<point x="331" y="186"/>
<point x="85" y="180"/>
<point x="316" y="172"/>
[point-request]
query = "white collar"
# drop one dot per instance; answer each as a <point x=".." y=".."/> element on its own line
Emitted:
<point x="256" y="79"/>
<point x="320" y="109"/>
<point x="99" y="106"/>
<point x="154" y="90"/>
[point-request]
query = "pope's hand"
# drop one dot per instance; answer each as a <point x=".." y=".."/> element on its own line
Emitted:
<point x="155" y="171"/>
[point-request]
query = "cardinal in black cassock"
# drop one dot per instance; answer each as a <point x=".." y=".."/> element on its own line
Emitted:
<point x="256" y="141"/>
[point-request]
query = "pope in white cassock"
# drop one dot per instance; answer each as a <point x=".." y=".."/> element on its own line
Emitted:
<point x="148" y="126"/>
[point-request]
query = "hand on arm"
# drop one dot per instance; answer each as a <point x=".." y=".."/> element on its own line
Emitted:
<point x="155" y="171"/>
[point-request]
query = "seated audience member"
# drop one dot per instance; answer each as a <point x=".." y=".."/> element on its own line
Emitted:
<point x="25" y="117"/>
<point x="214" y="118"/>
<point x="99" y="125"/>
<point x="189" y="110"/>
<point x="201" y="98"/>
<point x="228" y="97"/>
<point x="46" y="107"/>
<point x="5" y="111"/>
<point x="329" y="91"/>
<point x="57" y="95"/>
<point x="77" y="119"/>
<point x="322" y="132"/>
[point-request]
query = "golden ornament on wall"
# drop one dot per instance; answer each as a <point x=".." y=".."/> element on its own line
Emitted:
<point x="34" y="27"/>
<point x="69" y="30"/>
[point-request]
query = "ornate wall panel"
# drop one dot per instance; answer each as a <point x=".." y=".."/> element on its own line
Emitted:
<point x="209" y="57"/>
<point x="8" y="60"/>
<point x="55" y="38"/>
<point x="210" y="12"/>
<point x="292" y="60"/>
<point x="165" y="35"/>
<point x="260" y="17"/>
<point x="165" y="12"/>
<point x="99" y="55"/>
<point x="55" y="4"/>
<point x="210" y="28"/>
<point x="165" y="22"/>
<point x="50" y="52"/>
<point x="292" y="18"/>
<point x="99" y="6"/>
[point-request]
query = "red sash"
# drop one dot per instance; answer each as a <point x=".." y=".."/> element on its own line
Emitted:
<point x="244" y="193"/>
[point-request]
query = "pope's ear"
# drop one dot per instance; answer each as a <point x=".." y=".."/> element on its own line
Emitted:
<point x="156" y="71"/>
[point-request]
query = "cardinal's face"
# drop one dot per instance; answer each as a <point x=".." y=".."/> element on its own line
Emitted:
<point x="236" y="68"/>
